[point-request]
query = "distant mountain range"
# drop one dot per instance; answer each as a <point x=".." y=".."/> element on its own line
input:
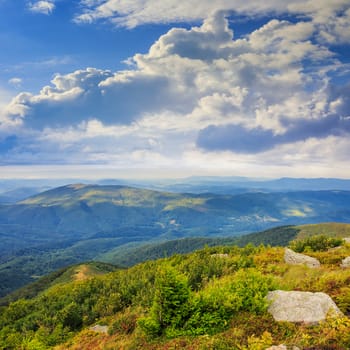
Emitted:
<point x="236" y="184"/>
<point x="12" y="191"/>
<point x="76" y="212"/>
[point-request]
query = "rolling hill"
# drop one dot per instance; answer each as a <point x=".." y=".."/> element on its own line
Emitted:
<point x="75" y="223"/>
<point x="129" y="254"/>
<point x="66" y="274"/>
<point x="108" y="211"/>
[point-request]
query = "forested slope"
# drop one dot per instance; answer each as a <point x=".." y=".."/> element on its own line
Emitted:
<point x="213" y="298"/>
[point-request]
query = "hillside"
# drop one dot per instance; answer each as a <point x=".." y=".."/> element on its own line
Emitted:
<point x="63" y="275"/>
<point x="104" y="211"/>
<point x="129" y="255"/>
<point x="20" y="270"/>
<point x="76" y="223"/>
<point x="213" y="298"/>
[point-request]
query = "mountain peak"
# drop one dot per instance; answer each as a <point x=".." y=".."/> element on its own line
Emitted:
<point x="77" y="186"/>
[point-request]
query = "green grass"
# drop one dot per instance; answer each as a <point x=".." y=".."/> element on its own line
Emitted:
<point x="64" y="275"/>
<point x="331" y="229"/>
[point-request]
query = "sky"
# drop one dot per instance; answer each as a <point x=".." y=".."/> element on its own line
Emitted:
<point x="172" y="88"/>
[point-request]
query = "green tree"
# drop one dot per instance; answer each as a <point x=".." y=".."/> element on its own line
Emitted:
<point x="71" y="316"/>
<point x="169" y="307"/>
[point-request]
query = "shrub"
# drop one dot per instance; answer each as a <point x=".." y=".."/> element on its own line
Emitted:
<point x="176" y="310"/>
<point x="125" y="323"/>
<point x="212" y="308"/>
<point x="71" y="316"/>
<point x="342" y="299"/>
<point x="333" y="333"/>
<point x="150" y="326"/>
<point x="169" y="306"/>
<point x="315" y="243"/>
<point x="260" y="343"/>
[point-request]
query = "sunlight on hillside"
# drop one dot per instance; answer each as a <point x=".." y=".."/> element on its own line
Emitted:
<point x="298" y="212"/>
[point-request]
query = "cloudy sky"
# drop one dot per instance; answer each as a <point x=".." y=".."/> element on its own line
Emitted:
<point x="136" y="88"/>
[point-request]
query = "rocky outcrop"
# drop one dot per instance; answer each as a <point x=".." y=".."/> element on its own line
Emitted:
<point x="298" y="306"/>
<point x="294" y="258"/>
<point x="345" y="263"/>
<point x="347" y="240"/>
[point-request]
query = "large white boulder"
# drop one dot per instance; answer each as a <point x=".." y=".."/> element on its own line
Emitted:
<point x="294" y="258"/>
<point x="295" y="306"/>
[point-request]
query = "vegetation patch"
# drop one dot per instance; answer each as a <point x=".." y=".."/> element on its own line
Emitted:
<point x="213" y="298"/>
<point x="319" y="243"/>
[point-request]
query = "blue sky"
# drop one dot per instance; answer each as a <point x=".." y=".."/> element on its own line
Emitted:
<point x="109" y="88"/>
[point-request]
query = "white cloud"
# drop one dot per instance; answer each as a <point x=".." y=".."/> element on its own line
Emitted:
<point x="198" y="96"/>
<point x="6" y="123"/>
<point x="44" y="7"/>
<point x="193" y="72"/>
<point x="137" y="12"/>
<point x="330" y="18"/>
<point x="15" y="82"/>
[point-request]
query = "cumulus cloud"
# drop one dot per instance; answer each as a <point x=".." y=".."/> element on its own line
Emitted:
<point x="91" y="93"/>
<point x="331" y="18"/>
<point x="44" y="7"/>
<point x="197" y="91"/>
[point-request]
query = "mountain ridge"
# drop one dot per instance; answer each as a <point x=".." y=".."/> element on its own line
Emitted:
<point x="14" y="190"/>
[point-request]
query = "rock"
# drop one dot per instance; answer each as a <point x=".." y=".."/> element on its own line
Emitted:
<point x="298" y="306"/>
<point x="99" y="329"/>
<point x="219" y="255"/>
<point x="277" y="347"/>
<point x="293" y="258"/>
<point x="347" y="240"/>
<point x="345" y="262"/>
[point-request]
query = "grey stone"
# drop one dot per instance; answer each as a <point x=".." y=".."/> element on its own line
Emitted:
<point x="295" y="306"/>
<point x="277" y="347"/>
<point x="347" y="240"/>
<point x="294" y="258"/>
<point x="219" y="255"/>
<point x="99" y="329"/>
<point x="345" y="262"/>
